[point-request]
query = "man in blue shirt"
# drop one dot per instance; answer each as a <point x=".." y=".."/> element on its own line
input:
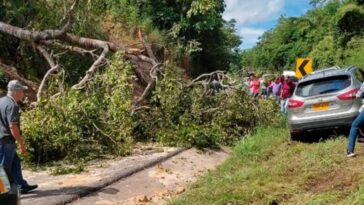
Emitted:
<point x="10" y="133"/>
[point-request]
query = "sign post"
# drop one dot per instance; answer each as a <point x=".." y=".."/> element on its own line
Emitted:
<point x="303" y="67"/>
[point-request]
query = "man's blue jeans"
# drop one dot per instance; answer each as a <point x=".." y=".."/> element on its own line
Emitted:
<point x="354" y="131"/>
<point x="284" y="105"/>
<point x="10" y="160"/>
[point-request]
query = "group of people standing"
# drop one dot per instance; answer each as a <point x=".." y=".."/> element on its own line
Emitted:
<point x="281" y="89"/>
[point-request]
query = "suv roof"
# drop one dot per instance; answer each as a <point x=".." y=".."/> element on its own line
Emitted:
<point x="329" y="72"/>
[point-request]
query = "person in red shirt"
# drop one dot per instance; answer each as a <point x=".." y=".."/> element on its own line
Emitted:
<point x="254" y="85"/>
<point x="286" y="92"/>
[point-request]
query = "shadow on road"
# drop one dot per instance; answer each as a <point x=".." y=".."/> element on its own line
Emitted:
<point x="65" y="191"/>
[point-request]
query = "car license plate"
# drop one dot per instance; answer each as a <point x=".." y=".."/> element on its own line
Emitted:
<point x="321" y="106"/>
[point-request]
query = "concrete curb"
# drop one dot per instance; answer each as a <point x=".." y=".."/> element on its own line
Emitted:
<point x="112" y="179"/>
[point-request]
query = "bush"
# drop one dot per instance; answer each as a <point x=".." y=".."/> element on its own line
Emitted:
<point x="180" y="116"/>
<point x="81" y="125"/>
<point x="84" y="124"/>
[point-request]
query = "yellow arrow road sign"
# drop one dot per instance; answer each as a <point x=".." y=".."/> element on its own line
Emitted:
<point x="303" y="67"/>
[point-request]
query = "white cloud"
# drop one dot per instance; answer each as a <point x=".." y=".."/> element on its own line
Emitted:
<point x="253" y="11"/>
<point x="251" y="32"/>
<point x="250" y="36"/>
<point x="248" y="13"/>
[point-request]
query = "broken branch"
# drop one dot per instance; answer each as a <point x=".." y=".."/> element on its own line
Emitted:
<point x="91" y="71"/>
<point x="53" y="67"/>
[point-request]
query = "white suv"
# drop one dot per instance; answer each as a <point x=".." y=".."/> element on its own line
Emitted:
<point x="324" y="100"/>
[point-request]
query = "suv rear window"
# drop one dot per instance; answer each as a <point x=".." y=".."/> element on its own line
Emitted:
<point x="323" y="86"/>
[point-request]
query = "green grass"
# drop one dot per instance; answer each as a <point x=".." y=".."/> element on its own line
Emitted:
<point x="267" y="167"/>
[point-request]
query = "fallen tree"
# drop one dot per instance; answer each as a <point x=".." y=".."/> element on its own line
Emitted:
<point x="90" y="116"/>
<point x="46" y="40"/>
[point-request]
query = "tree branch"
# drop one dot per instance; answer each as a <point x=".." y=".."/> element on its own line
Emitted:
<point x="102" y="132"/>
<point x="35" y="35"/>
<point x="53" y="67"/>
<point x="72" y="48"/>
<point x="46" y="55"/>
<point x="206" y="75"/>
<point x="147" y="47"/>
<point x="91" y="71"/>
<point x="90" y="43"/>
<point x="146" y="92"/>
<point x="140" y="108"/>
<point x="61" y="38"/>
<point x="206" y="79"/>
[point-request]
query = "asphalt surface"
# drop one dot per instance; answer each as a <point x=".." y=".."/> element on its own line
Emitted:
<point x="160" y="183"/>
<point x="63" y="189"/>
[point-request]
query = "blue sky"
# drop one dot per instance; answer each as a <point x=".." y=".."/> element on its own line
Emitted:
<point x="254" y="17"/>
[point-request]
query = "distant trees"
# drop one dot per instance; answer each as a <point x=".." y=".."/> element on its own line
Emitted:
<point x="327" y="34"/>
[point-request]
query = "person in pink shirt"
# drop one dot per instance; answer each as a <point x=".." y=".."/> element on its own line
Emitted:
<point x="254" y="85"/>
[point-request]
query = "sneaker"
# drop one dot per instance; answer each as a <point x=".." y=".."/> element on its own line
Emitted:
<point x="28" y="189"/>
<point x="350" y="154"/>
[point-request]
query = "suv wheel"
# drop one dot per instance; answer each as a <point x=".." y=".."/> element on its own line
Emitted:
<point x="296" y="136"/>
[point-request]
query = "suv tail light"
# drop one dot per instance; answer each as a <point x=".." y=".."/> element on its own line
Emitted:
<point x="350" y="95"/>
<point x="294" y="103"/>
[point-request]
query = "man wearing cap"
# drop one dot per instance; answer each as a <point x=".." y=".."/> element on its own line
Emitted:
<point x="10" y="133"/>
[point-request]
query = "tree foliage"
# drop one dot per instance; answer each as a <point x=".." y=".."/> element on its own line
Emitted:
<point x="181" y="116"/>
<point x="84" y="124"/>
<point x="198" y="29"/>
<point x="325" y="33"/>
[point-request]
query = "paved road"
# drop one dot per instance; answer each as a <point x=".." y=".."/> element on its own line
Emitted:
<point x="157" y="184"/>
<point x="55" y="190"/>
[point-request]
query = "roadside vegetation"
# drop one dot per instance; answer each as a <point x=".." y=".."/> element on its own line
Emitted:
<point x="331" y="33"/>
<point x="268" y="168"/>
